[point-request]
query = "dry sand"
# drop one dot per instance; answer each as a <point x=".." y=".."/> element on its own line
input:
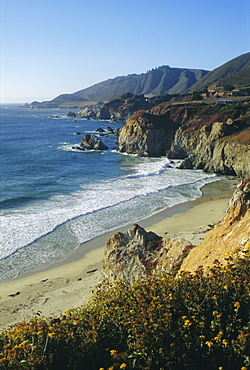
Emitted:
<point x="69" y="284"/>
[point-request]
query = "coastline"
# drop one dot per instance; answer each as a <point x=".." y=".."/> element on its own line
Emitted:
<point x="68" y="284"/>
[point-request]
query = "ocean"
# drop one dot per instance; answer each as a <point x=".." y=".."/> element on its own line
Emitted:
<point x="54" y="198"/>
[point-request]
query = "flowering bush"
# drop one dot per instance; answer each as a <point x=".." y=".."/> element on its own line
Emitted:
<point x="189" y="321"/>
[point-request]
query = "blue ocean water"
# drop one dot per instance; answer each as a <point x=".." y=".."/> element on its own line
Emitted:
<point x="54" y="198"/>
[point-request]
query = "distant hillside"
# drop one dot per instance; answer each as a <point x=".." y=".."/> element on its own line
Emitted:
<point x="157" y="81"/>
<point x="236" y="73"/>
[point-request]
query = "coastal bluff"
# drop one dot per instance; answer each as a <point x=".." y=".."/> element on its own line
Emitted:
<point x="212" y="138"/>
<point x="138" y="254"/>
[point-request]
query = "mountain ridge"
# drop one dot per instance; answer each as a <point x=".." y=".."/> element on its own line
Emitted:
<point x="158" y="81"/>
<point x="234" y="72"/>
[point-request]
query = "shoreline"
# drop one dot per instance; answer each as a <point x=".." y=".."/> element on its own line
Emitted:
<point x="67" y="284"/>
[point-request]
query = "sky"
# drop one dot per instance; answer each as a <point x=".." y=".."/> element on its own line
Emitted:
<point x="50" y="47"/>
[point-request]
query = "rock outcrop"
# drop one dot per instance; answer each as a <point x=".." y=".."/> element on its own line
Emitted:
<point x="146" y="135"/>
<point x="91" y="142"/>
<point x="87" y="113"/>
<point x="137" y="254"/>
<point x="212" y="138"/>
<point x="219" y="147"/>
<point x="230" y="235"/>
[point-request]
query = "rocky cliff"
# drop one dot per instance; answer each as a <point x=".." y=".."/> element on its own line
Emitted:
<point x="230" y="235"/>
<point x="146" y="134"/>
<point x="213" y="138"/>
<point x="137" y="254"/>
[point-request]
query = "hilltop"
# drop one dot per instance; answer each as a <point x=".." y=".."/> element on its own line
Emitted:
<point x="232" y="76"/>
<point x="157" y="81"/>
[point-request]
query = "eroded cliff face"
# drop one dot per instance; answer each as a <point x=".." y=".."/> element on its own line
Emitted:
<point x="220" y="147"/>
<point x="137" y="254"/>
<point x="230" y="235"/>
<point x="146" y="135"/>
<point x="214" y="139"/>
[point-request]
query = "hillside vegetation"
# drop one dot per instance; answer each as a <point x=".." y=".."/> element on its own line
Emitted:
<point x="235" y="73"/>
<point x="192" y="322"/>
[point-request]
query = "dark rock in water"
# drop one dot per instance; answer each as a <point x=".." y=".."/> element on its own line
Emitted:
<point x="77" y="133"/>
<point x="71" y="115"/>
<point x="186" y="164"/>
<point x="99" y="129"/>
<point x="110" y="129"/>
<point x="90" y="141"/>
<point x="77" y="147"/>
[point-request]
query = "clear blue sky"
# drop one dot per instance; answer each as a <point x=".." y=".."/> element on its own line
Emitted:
<point x="49" y="47"/>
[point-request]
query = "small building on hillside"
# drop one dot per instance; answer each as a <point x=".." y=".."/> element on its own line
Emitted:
<point x="225" y="101"/>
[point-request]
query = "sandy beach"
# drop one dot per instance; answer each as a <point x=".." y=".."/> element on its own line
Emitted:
<point x="68" y="284"/>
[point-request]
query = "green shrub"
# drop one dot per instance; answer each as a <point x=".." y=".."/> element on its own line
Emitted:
<point x="189" y="322"/>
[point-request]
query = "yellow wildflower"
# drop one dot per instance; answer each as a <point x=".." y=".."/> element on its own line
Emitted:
<point x="123" y="365"/>
<point x="209" y="343"/>
<point x="51" y="335"/>
<point x="225" y="286"/>
<point x="237" y="304"/>
<point x="187" y="323"/>
<point x="202" y="336"/>
<point x="113" y="352"/>
<point x="225" y="342"/>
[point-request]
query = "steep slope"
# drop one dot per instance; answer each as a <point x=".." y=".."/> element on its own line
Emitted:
<point x="213" y="138"/>
<point x="235" y="72"/>
<point x="230" y="235"/>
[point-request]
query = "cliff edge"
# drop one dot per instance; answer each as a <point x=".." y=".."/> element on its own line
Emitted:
<point x="212" y="138"/>
<point x="228" y="236"/>
<point x="137" y="254"/>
